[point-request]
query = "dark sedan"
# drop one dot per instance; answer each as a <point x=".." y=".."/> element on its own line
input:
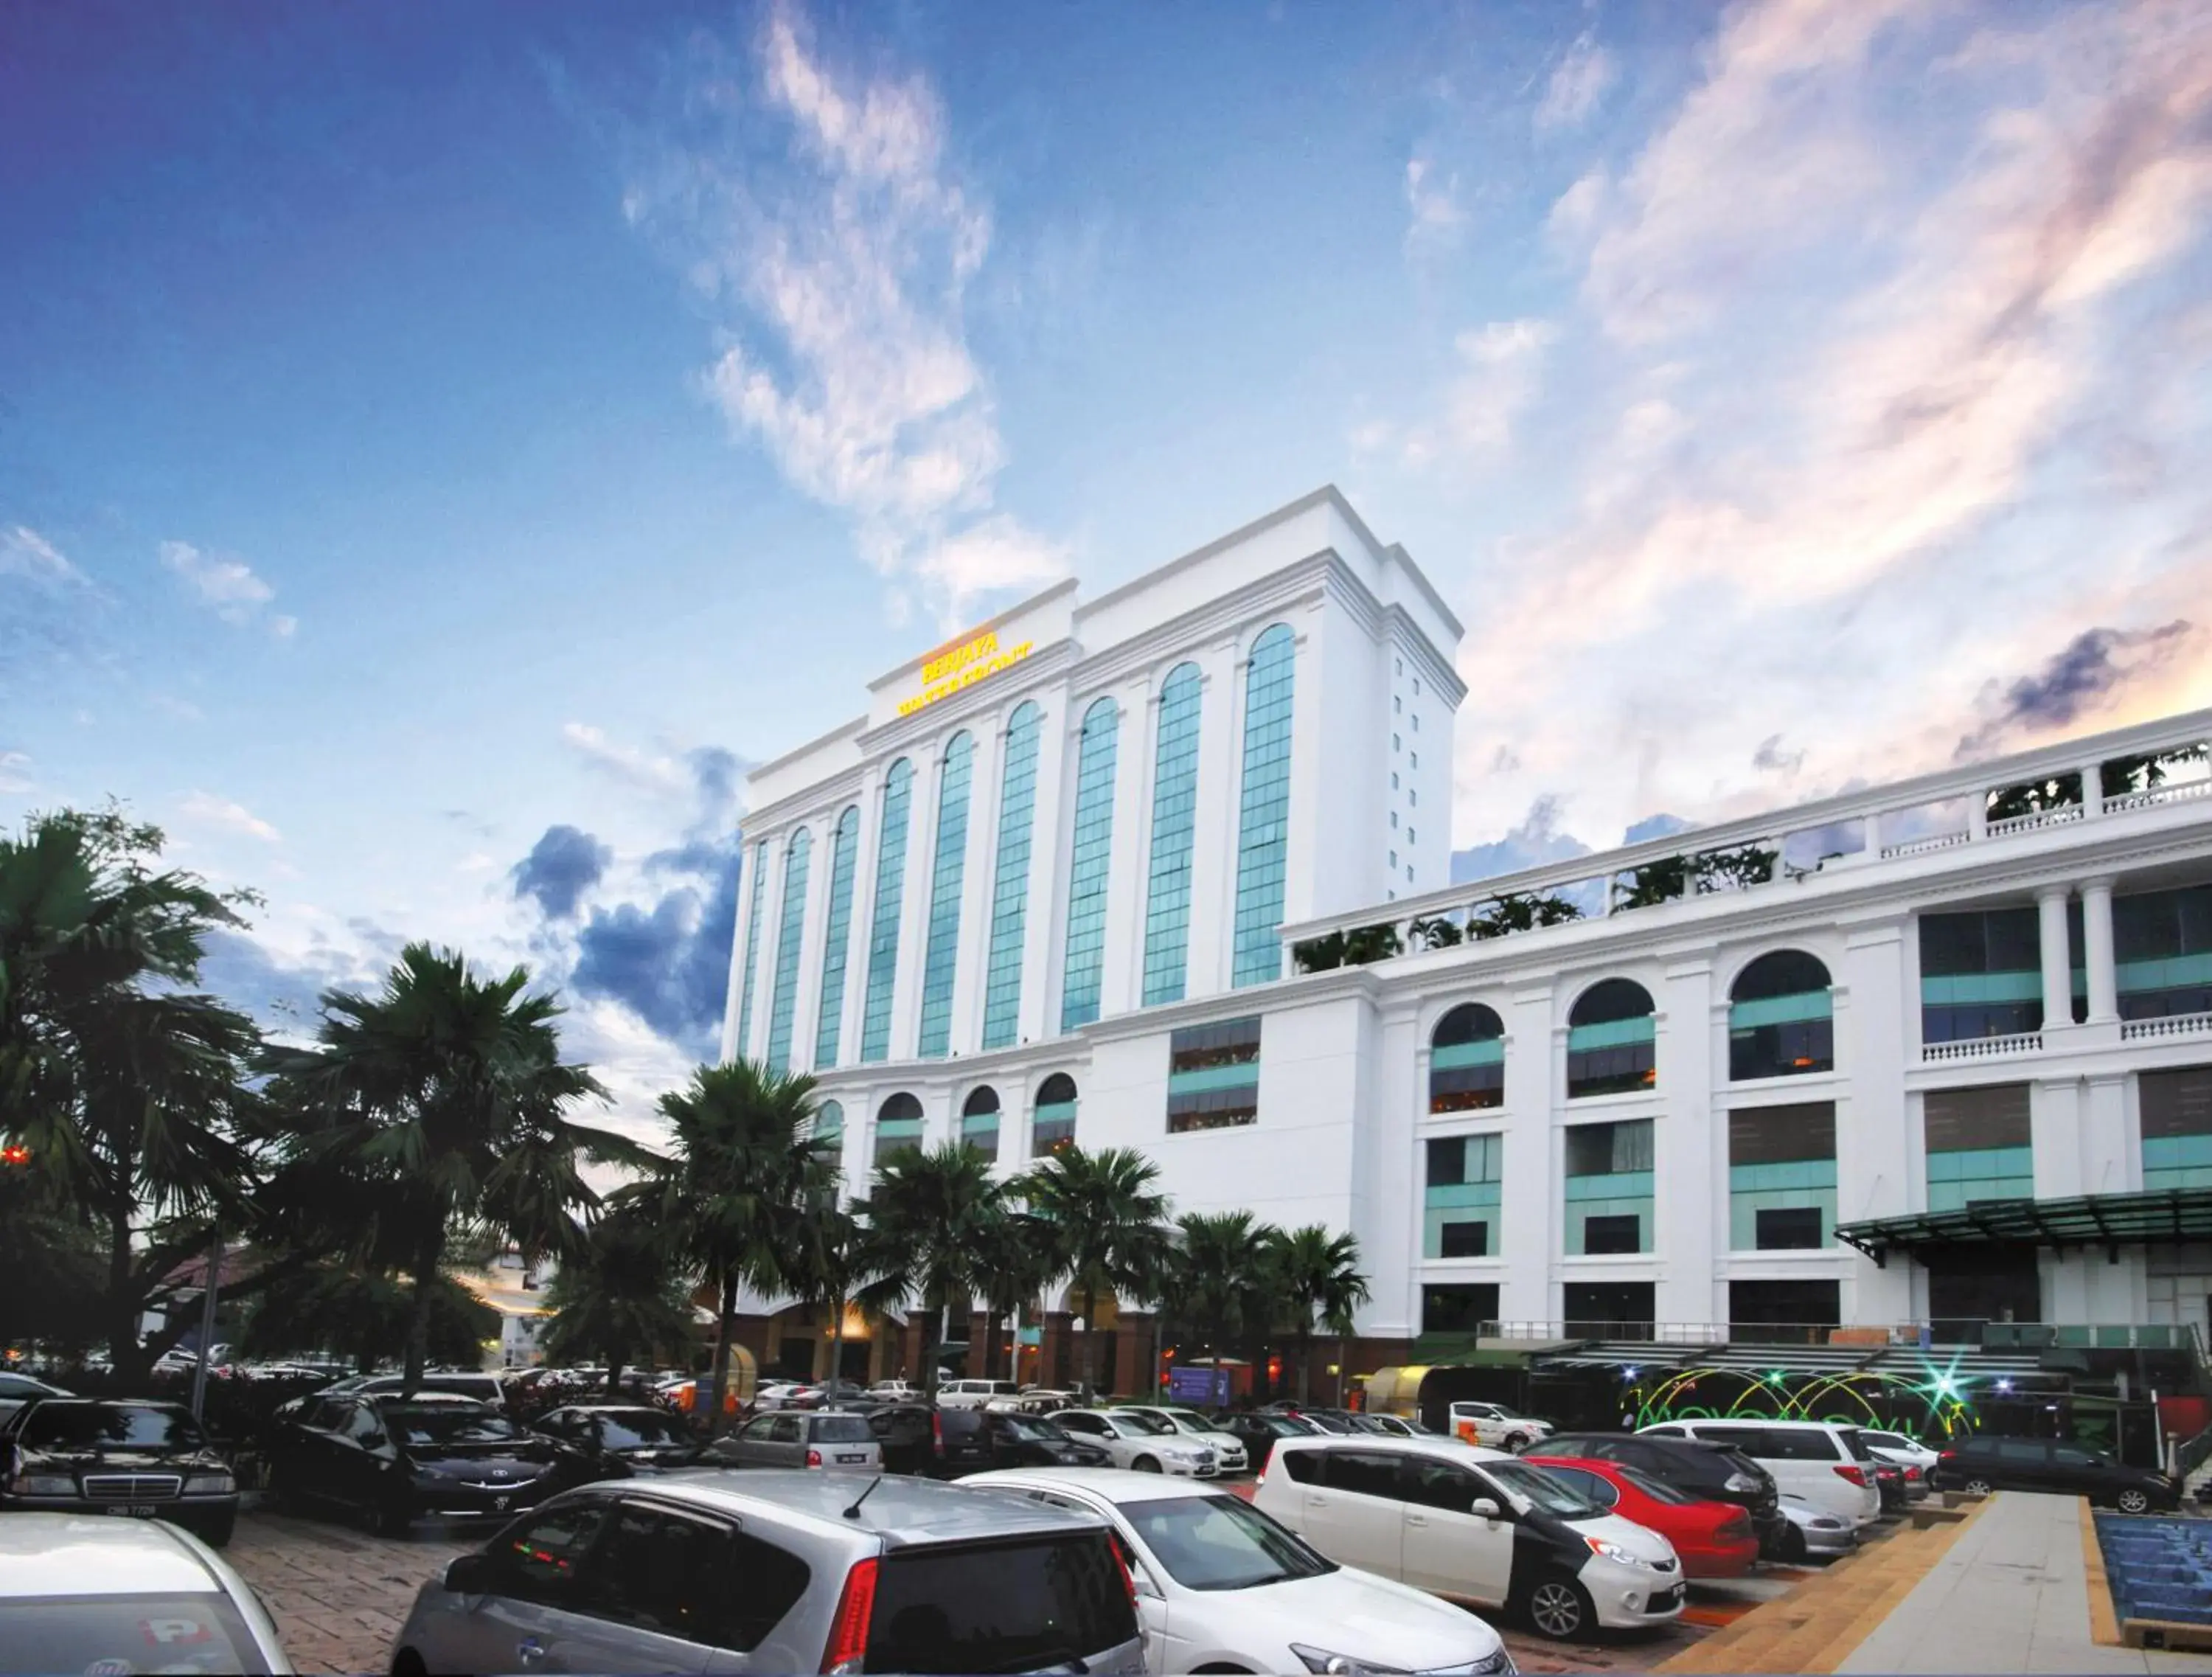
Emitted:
<point x="1981" y="1463"/>
<point x="117" y="1456"/>
<point x="620" y="1439"/>
<point x="1257" y="1431"/>
<point x="395" y="1460"/>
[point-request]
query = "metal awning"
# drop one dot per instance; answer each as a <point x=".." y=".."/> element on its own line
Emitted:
<point x="2166" y="1217"/>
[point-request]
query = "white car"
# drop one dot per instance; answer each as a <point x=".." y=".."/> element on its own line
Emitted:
<point x="1141" y="1441"/>
<point x="894" y="1391"/>
<point x="1828" y="1464"/>
<point x="1479" y="1526"/>
<point x="972" y="1393"/>
<point x="1497" y="1426"/>
<point x="1228" y="1449"/>
<point x="1916" y="1458"/>
<point x="79" y="1594"/>
<point x="1221" y="1586"/>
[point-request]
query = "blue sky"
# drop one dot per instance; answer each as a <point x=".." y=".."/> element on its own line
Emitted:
<point x="440" y="446"/>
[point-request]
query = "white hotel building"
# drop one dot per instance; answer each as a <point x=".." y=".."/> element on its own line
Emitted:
<point x="1085" y="870"/>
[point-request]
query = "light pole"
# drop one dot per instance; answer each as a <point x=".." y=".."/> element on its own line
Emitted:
<point x="207" y="1323"/>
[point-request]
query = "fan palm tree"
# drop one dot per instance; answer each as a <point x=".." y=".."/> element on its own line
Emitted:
<point x="1216" y="1267"/>
<point x="1112" y="1237"/>
<point x="827" y="1266"/>
<point x="931" y="1216"/>
<point x="444" y="1093"/>
<point x="1019" y="1261"/>
<point x="1316" y="1275"/>
<point x="619" y="1295"/>
<point x="742" y="1174"/>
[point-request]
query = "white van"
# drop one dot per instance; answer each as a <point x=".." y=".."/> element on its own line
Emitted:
<point x="973" y="1394"/>
<point x="1827" y="1463"/>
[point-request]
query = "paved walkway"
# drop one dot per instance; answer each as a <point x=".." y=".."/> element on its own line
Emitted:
<point x="2010" y="1594"/>
<point x="337" y="1595"/>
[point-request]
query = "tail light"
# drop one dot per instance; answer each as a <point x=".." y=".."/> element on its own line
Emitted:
<point x="1910" y="1474"/>
<point x="1121" y="1560"/>
<point x="1852" y="1472"/>
<point x="848" y="1631"/>
<point x="1947" y="1456"/>
<point x="814" y="1458"/>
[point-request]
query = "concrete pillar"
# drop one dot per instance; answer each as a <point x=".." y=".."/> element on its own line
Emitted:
<point x="978" y="881"/>
<point x="2055" y="1130"/>
<point x="1133" y="1356"/>
<point x="1875" y="1147"/>
<point x="1056" y="1359"/>
<point x="1214" y="842"/>
<point x="2097" y="951"/>
<point x="1688" y="1171"/>
<point x="1044" y="915"/>
<point x="1529" y="1216"/>
<point x="2057" y="970"/>
<point x="982" y="1362"/>
<point x="2092" y="788"/>
<point x="1129" y="863"/>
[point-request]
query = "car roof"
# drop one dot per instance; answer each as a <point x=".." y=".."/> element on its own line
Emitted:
<point x="901" y="1510"/>
<point x="73" y="1554"/>
<point x="1115" y="1485"/>
<point x="75" y="1402"/>
<point x="1764" y="1422"/>
<point x="1450" y="1449"/>
<point x="608" y="1409"/>
<point x="429" y="1395"/>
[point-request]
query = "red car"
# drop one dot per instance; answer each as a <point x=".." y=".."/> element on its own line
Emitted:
<point x="1714" y="1540"/>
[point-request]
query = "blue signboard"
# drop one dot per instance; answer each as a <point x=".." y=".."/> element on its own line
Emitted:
<point x="1206" y="1386"/>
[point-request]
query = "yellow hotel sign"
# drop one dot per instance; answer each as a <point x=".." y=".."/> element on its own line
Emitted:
<point x="962" y="665"/>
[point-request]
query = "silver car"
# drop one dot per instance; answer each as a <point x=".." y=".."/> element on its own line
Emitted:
<point x="799" y="1438"/>
<point x="780" y="1571"/>
<point x="80" y="1592"/>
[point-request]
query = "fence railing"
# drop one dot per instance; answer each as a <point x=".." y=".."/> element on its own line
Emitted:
<point x="1982" y="1047"/>
<point x="1868" y="1338"/>
<point x="2175" y="1024"/>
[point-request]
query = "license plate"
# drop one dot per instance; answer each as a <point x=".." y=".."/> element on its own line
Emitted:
<point x="134" y="1510"/>
<point x="858" y="1456"/>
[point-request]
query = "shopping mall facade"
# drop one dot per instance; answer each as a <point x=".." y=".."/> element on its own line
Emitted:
<point x="1168" y="870"/>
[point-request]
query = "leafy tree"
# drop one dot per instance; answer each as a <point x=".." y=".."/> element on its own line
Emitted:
<point x="827" y="1267"/>
<point x="2005" y="803"/>
<point x="1112" y="1230"/>
<point x="1435" y="932"/>
<point x="1520" y="911"/>
<point x="1216" y="1273"/>
<point x="930" y="1218"/>
<point x="1317" y="1275"/>
<point x="621" y="1294"/>
<point x="1020" y="1259"/>
<point x="55" y="1265"/>
<point x="365" y="1315"/>
<point x="444" y="1095"/>
<point x="2119" y="777"/>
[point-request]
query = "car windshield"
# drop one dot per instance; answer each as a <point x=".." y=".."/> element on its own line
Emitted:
<point x="1189" y="1421"/>
<point x="1034" y="1429"/>
<point x="1220" y="1543"/>
<point x="1149" y="1426"/>
<point x="1288" y="1426"/>
<point x="1550" y="1493"/>
<point x="421" y="1425"/>
<point x="110" y="1426"/>
<point x="634" y="1427"/>
<point x="184" y="1633"/>
<point x="841" y="1430"/>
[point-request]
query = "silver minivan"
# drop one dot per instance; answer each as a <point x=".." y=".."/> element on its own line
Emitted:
<point x="801" y="1438"/>
<point x="780" y="1572"/>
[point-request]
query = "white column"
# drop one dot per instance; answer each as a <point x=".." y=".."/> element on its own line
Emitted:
<point x="1530" y="1212"/>
<point x="861" y="930"/>
<point x="2092" y="788"/>
<point x="813" y="944"/>
<point x="987" y="785"/>
<point x="1876" y="1039"/>
<point x="914" y="905"/>
<point x="1312" y="827"/>
<point x="764" y="963"/>
<point x="1135" y="752"/>
<point x="746" y="862"/>
<point x="2057" y="971"/>
<point x="1045" y="910"/>
<point x="2097" y="951"/>
<point x="1214" y="846"/>
<point x="1684" y="1181"/>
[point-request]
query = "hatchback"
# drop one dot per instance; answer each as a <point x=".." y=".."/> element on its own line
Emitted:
<point x="1713" y="1539"/>
<point x="799" y="1438"/>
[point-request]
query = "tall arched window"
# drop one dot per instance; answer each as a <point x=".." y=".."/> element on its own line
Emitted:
<point x="829" y="1132"/>
<point x="844" y="853"/>
<point x="940" y="954"/>
<point x="1467" y="1060"/>
<point x="1052" y="1129"/>
<point x="783" y="1000"/>
<point x="884" y="927"/>
<point x="1263" y="821"/>
<point x="1090" y="859"/>
<point x="1781" y="1022"/>
<point x="1610" y="1040"/>
<point x="979" y="1121"/>
<point x="753" y="954"/>
<point x="1010" y="890"/>
<point x="899" y="1125"/>
<point x="1174" y="824"/>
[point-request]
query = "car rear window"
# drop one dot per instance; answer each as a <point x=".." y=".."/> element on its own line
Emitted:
<point x="989" y="1607"/>
<point x="1855" y="1442"/>
<point x="96" y="1426"/>
<point x="842" y="1430"/>
<point x="199" y="1633"/>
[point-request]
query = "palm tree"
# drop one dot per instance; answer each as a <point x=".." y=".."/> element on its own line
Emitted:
<point x="1018" y="1261"/>
<point x="1317" y="1274"/>
<point x="1217" y="1259"/>
<point x="619" y="1295"/>
<point x="827" y="1267"/>
<point x="448" y="1090"/>
<point x="930" y="1218"/>
<point x="1112" y="1237"/>
<point x="735" y="1190"/>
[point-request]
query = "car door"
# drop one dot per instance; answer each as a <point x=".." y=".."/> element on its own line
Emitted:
<point x="328" y="1459"/>
<point x="542" y="1577"/>
<point x="2022" y="1464"/>
<point x="2080" y="1472"/>
<point x="751" y="1445"/>
<point x="1354" y="1510"/>
<point x="1445" y="1546"/>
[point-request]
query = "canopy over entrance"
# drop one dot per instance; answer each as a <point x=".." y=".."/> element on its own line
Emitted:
<point x="2167" y="1217"/>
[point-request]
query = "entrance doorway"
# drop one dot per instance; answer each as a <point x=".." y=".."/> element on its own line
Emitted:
<point x="1609" y="1309"/>
<point x="1969" y="1285"/>
<point x="1782" y="1312"/>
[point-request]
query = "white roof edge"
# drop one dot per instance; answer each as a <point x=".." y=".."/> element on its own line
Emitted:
<point x="1064" y="586"/>
<point x="797" y="751"/>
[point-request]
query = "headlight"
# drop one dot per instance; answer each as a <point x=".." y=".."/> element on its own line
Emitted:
<point x="1607" y="1549"/>
<point x="1341" y="1665"/>
<point x="44" y="1485"/>
<point x="209" y="1485"/>
<point x="1500" y="1664"/>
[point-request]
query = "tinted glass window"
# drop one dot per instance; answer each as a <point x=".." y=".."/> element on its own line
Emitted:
<point x="97" y="1426"/>
<point x="2023" y="1450"/>
<point x="1751" y="1440"/>
<point x="446" y="1424"/>
<point x="1855" y="1442"/>
<point x="1657" y="1489"/>
<point x="1546" y="1490"/>
<point x="541" y="1559"/>
<point x="634" y="1427"/>
<point x="1000" y="1607"/>
<point x="1591" y="1486"/>
<point x="1220" y="1543"/>
<point x="2067" y="1456"/>
<point x="783" y="1429"/>
<point x="1303" y="1466"/>
<point x="199" y="1633"/>
<point x="1435" y="1484"/>
<point x="1365" y="1472"/>
<point x="695" y="1579"/>
<point x="1801" y="1444"/>
<point x="841" y="1430"/>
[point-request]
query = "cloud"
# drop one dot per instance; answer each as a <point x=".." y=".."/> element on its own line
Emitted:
<point x="668" y="963"/>
<point x="2078" y="680"/>
<point x="228" y="586"/>
<point x="1500" y="372"/>
<point x="14" y="776"/>
<point x="1771" y="759"/>
<point x="25" y="554"/>
<point x="564" y="864"/>
<point x="1434" y="217"/>
<point x="625" y="762"/>
<point x="1581" y="78"/>
<point x="1653" y="827"/>
<point x="1536" y="840"/>
<point x="205" y="810"/>
<point x="817" y="211"/>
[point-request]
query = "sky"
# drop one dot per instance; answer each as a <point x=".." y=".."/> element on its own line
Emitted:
<point x="440" y="448"/>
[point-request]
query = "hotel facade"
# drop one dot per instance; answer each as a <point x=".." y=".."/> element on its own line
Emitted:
<point x="1170" y="870"/>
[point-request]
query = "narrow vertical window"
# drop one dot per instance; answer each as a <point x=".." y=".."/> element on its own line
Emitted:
<point x="1264" y="812"/>
<point x="1090" y="861"/>
<point x="844" y="853"/>
<point x="1175" y="821"/>
<point x="783" y="999"/>
<point x="752" y="951"/>
<point x="1010" y="889"/>
<point x="884" y="930"/>
<point x="940" y="954"/>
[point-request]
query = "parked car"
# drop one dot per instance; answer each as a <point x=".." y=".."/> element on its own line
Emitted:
<point x="894" y="1391"/>
<point x="798" y="1438"/>
<point x="1710" y="1473"/>
<point x="117" y="1456"/>
<point x="840" y="1573"/>
<point x="1139" y="1442"/>
<point x="974" y="1393"/>
<point x="972" y="1440"/>
<point x="1393" y="1426"/>
<point x="1035" y="1401"/>
<point x="1476" y="1525"/>
<point x="1229" y="1452"/>
<point x="17" y="1389"/>
<point x="484" y="1388"/>
<point x="1912" y="1460"/>
<point x="1984" y="1464"/>
<point x="1711" y="1540"/>
<point x="1810" y="1531"/>
<point x="781" y="1394"/>
<point x="1259" y="1430"/>
<point x="1497" y="1426"/>
<point x="1828" y="1464"/>
<point x="1221" y="1585"/>
<point x="395" y="1460"/>
<point x="906" y="1434"/>
<point x="119" y="1595"/>
<point x="618" y="1438"/>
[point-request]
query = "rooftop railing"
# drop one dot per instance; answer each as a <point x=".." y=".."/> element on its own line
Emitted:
<point x="1969" y="1332"/>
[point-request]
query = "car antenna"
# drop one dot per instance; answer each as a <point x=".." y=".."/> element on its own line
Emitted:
<point x="854" y="1512"/>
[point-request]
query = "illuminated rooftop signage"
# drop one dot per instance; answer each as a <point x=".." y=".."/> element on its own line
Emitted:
<point x="962" y="665"/>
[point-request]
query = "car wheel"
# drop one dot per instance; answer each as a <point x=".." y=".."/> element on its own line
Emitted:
<point x="216" y="1533"/>
<point x="392" y="1519"/>
<point x="1558" y="1607"/>
<point x="1978" y="1487"/>
<point x="2132" y="1501"/>
<point x="1792" y="1545"/>
<point x="1146" y="1464"/>
<point x="408" y="1663"/>
<point x="1516" y="1442"/>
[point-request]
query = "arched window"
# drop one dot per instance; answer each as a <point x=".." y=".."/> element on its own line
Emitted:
<point x="1052" y="1127"/>
<point x="1610" y="1049"/>
<point x="1010" y="889"/>
<point x="979" y="1121"/>
<point x="1467" y="1060"/>
<point x="744" y="1044"/>
<point x="1089" y="857"/>
<point x="1263" y="823"/>
<point x="1174" y="826"/>
<point x="883" y="925"/>
<point x="1781" y="1022"/>
<point x="844" y="853"/>
<point x="830" y="1133"/>
<point x="783" y="997"/>
<point x="940" y="954"/>
<point x="899" y="1125"/>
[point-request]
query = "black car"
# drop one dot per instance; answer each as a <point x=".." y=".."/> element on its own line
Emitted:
<point x="620" y="1439"/>
<point x="397" y="1459"/>
<point x="968" y="1441"/>
<point x="117" y="1456"/>
<point x="1257" y="1430"/>
<point x="1710" y="1473"/>
<point x="1986" y="1463"/>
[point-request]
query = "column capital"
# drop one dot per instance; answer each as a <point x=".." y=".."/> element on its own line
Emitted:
<point x="2054" y="893"/>
<point x="2102" y="884"/>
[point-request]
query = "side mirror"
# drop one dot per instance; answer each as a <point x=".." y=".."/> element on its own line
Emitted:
<point x="468" y="1575"/>
<point x="1483" y="1508"/>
